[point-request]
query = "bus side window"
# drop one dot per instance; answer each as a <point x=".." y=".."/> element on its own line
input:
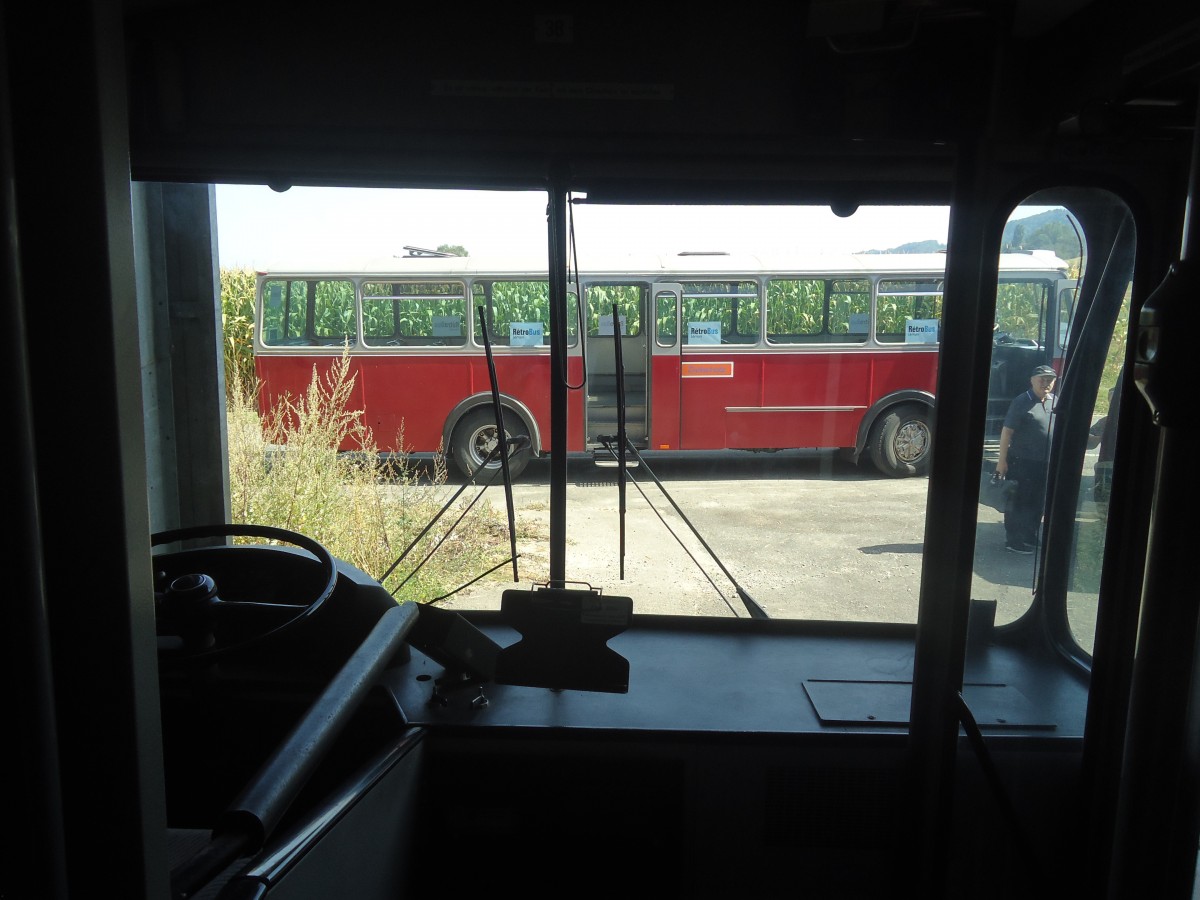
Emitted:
<point x="1020" y="313"/>
<point x="664" y="319"/>
<point x="601" y="297"/>
<point x="909" y="311"/>
<point x="518" y="312"/>
<point x="572" y="319"/>
<point x="721" y="313"/>
<point x="284" y="313"/>
<point x="333" y="319"/>
<point x="849" y="310"/>
<point x="419" y="314"/>
<point x="817" y="311"/>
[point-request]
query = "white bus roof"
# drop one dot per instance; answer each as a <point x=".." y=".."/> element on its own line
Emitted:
<point x="695" y="263"/>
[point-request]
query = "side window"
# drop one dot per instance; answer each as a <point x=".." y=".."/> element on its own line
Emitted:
<point x="628" y="300"/>
<point x="721" y="312"/>
<point x="666" y="332"/>
<point x="1049" y="445"/>
<point x="1067" y="296"/>
<point x="299" y="312"/>
<point x="518" y="312"/>
<point x="572" y="316"/>
<point x="816" y="310"/>
<point x="418" y="314"/>
<point x="909" y="311"/>
<point x="1021" y="313"/>
<point x="284" y="313"/>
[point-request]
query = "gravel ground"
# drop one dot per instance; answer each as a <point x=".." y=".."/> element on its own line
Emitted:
<point x="804" y="533"/>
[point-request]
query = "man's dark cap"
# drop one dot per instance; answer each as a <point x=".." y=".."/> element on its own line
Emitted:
<point x="1043" y="370"/>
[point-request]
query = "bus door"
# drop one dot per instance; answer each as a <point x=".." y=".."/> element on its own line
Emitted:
<point x="664" y="366"/>
<point x="1030" y="327"/>
<point x="632" y="302"/>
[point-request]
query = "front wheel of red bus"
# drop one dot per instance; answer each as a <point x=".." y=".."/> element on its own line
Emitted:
<point x="901" y="441"/>
<point x="475" y="437"/>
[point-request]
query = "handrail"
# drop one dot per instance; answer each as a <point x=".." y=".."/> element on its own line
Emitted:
<point x="252" y="817"/>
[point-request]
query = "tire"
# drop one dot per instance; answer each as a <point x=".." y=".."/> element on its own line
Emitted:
<point x="901" y="442"/>
<point x="475" y="435"/>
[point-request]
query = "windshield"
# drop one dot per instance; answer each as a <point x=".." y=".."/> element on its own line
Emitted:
<point x="771" y="373"/>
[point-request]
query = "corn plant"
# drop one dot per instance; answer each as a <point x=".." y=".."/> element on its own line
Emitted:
<point x="237" y="328"/>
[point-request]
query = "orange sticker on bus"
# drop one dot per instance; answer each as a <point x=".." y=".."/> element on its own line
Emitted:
<point x="708" y="369"/>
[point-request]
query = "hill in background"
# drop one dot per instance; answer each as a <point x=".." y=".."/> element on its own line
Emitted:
<point x="1050" y="230"/>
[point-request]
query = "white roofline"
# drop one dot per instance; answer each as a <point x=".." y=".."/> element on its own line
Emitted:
<point x="662" y="266"/>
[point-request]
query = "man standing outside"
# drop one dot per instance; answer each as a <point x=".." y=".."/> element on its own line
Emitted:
<point x="1024" y="451"/>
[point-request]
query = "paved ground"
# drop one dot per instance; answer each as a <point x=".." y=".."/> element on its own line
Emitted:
<point x="805" y="533"/>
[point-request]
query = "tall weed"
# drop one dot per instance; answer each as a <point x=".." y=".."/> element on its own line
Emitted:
<point x="285" y="470"/>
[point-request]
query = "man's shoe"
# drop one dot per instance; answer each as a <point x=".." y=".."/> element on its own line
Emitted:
<point x="1024" y="549"/>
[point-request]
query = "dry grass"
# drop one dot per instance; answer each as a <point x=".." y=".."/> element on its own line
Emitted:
<point x="286" y="471"/>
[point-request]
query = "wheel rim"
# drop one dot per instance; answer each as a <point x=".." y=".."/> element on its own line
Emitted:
<point x="912" y="442"/>
<point x="482" y="442"/>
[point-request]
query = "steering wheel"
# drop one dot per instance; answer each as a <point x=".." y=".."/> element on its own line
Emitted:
<point x="213" y="601"/>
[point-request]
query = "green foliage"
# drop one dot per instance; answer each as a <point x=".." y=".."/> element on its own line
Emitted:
<point x="237" y="326"/>
<point x="515" y="301"/>
<point x="1115" y="360"/>
<point x="453" y="249"/>
<point x="1019" y="307"/>
<point x="1050" y="230"/>
<point x="626" y="297"/>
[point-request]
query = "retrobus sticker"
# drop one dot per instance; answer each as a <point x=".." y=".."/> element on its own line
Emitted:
<point x="704" y="332"/>
<point x="920" y="331"/>
<point x="525" y="334"/>
<point x="722" y="369"/>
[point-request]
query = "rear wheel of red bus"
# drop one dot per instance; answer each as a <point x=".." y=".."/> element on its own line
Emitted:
<point x="475" y="437"/>
<point x="901" y="441"/>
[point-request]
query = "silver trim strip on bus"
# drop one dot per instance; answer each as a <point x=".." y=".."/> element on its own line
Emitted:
<point x="748" y="409"/>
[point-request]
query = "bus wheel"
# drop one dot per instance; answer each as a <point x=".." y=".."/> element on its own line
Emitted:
<point x="901" y="442"/>
<point x="475" y="437"/>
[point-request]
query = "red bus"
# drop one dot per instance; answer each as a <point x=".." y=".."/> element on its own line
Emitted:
<point x="719" y="351"/>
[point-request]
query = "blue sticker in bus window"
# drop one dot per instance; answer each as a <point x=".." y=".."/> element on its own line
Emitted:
<point x="447" y="326"/>
<point x="525" y="334"/>
<point x="704" y="333"/>
<point x="859" y="322"/>
<point x="275" y="296"/>
<point x="920" y="331"/>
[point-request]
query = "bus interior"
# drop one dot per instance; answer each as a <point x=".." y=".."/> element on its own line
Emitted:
<point x="209" y="706"/>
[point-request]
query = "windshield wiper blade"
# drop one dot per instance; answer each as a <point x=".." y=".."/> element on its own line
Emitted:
<point x="622" y="441"/>
<point x="621" y="435"/>
<point x="501" y="439"/>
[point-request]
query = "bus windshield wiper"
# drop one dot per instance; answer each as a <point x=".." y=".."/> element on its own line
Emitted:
<point x="501" y="438"/>
<point x="621" y="435"/>
<point x="518" y="443"/>
<point x="609" y="441"/>
<point x="501" y="449"/>
<point x="623" y="446"/>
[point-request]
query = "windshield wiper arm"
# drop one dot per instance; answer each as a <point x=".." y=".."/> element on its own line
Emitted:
<point x="501" y="439"/>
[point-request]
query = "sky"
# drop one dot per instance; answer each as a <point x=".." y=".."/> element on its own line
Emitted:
<point x="258" y="227"/>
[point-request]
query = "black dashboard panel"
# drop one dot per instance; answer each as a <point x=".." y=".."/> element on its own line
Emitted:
<point x="752" y="677"/>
